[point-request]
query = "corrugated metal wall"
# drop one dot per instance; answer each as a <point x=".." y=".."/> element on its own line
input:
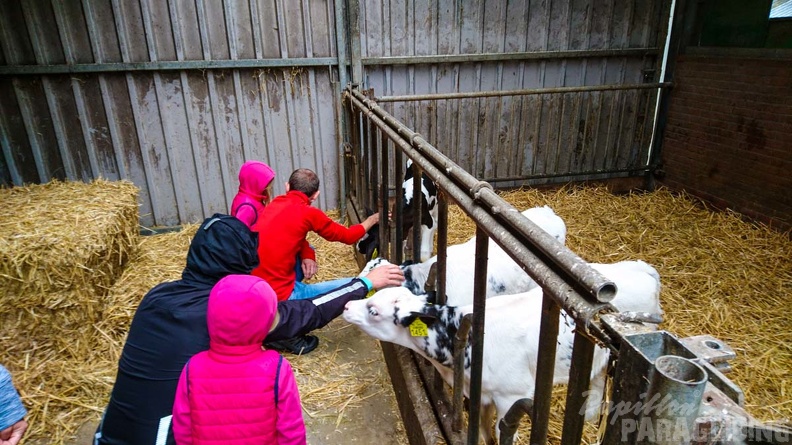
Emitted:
<point x="131" y="89"/>
<point x="515" y="45"/>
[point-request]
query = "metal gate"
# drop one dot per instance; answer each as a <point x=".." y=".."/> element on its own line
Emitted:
<point x="665" y="390"/>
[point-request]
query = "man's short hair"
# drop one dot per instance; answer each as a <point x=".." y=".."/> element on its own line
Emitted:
<point x="304" y="180"/>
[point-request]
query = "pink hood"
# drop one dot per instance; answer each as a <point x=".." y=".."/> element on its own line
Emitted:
<point x="254" y="177"/>
<point x="240" y="313"/>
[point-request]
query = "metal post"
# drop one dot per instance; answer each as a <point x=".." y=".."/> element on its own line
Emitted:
<point x="579" y="381"/>
<point x="383" y="225"/>
<point x="417" y="210"/>
<point x="460" y="345"/>
<point x="477" y="353"/>
<point x="545" y="367"/>
<point x="399" y="205"/>
<point x="442" y="246"/>
<point x="373" y="166"/>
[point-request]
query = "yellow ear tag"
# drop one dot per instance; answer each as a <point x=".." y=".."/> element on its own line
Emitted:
<point x="371" y="292"/>
<point x="418" y="328"/>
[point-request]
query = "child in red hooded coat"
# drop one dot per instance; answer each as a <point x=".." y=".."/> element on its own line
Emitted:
<point x="237" y="392"/>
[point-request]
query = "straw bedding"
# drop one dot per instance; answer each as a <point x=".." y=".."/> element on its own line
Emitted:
<point x="721" y="276"/>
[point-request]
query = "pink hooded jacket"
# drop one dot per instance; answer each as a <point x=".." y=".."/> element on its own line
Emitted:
<point x="236" y="392"/>
<point x="249" y="202"/>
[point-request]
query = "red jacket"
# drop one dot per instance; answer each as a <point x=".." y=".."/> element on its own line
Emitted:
<point x="282" y="228"/>
<point x="236" y="393"/>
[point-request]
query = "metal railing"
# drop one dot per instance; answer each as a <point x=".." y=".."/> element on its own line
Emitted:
<point x="648" y="362"/>
<point x="568" y="281"/>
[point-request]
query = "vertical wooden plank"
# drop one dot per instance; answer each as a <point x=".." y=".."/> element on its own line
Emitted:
<point x="448" y="78"/>
<point x="40" y="20"/>
<point x="511" y="152"/>
<point x="267" y="89"/>
<point x="397" y="77"/>
<point x="424" y="76"/>
<point x="187" y="45"/>
<point x="17" y="153"/>
<point x="223" y="100"/>
<point x="38" y="127"/>
<point x="115" y="104"/>
<point x="20" y="155"/>
<point x="469" y="80"/>
<point x="72" y="26"/>
<point x="145" y="113"/>
<point x="323" y="95"/>
<point x="171" y="112"/>
<point x="493" y="30"/>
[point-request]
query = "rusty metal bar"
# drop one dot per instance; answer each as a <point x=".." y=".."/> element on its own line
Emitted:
<point x="523" y="92"/>
<point x="460" y="345"/>
<point x="477" y="349"/>
<point x="417" y="206"/>
<point x="354" y="123"/>
<point x="579" y="381"/>
<point x="383" y="209"/>
<point x="568" y="174"/>
<point x="511" y="421"/>
<point x="505" y="56"/>
<point x="373" y="167"/>
<point x="398" y="175"/>
<point x="365" y="149"/>
<point x="545" y="366"/>
<point x="442" y="246"/>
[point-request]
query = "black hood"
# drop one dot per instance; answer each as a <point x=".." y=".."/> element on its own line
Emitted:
<point x="223" y="245"/>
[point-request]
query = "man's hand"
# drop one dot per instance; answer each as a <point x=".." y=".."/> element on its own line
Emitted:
<point x="386" y="276"/>
<point x="370" y="221"/>
<point x="13" y="434"/>
<point x="309" y="268"/>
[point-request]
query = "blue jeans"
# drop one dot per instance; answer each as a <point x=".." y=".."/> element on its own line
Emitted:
<point x="302" y="291"/>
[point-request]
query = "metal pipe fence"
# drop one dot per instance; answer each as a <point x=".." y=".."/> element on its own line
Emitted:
<point x="569" y="282"/>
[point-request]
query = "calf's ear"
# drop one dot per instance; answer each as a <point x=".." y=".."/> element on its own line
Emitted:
<point x="428" y="316"/>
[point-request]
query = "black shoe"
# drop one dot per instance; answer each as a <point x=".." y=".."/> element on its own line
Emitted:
<point x="297" y="345"/>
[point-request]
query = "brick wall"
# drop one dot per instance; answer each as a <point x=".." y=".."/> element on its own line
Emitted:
<point x="728" y="137"/>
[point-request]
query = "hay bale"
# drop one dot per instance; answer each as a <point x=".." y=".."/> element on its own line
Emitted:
<point x="65" y="377"/>
<point x="64" y="243"/>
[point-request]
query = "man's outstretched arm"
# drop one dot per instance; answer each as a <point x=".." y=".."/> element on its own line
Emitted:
<point x="299" y="317"/>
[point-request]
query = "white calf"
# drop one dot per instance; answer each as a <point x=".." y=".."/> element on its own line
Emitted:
<point x="511" y="339"/>
<point x="504" y="275"/>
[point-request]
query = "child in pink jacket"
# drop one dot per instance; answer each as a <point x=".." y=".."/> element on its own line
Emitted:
<point x="255" y="178"/>
<point x="237" y="392"/>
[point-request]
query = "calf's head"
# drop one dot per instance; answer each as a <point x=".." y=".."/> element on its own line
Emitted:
<point x="387" y="314"/>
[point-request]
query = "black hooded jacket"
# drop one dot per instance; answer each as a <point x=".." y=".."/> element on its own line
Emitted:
<point x="169" y="327"/>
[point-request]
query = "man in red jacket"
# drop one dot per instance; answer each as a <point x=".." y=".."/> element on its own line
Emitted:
<point x="282" y="228"/>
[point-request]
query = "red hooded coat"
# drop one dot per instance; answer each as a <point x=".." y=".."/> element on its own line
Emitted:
<point x="249" y="202"/>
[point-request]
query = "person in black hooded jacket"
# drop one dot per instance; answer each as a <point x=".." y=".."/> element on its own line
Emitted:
<point x="169" y="327"/>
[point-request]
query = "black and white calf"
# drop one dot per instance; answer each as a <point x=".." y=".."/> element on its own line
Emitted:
<point x="428" y="211"/>
<point x="511" y="340"/>
<point x="504" y="275"/>
<point x="370" y="242"/>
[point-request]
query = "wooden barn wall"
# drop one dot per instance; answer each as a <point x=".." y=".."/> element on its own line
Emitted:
<point x="728" y="133"/>
<point x="534" y="136"/>
<point x="180" y="135"/>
